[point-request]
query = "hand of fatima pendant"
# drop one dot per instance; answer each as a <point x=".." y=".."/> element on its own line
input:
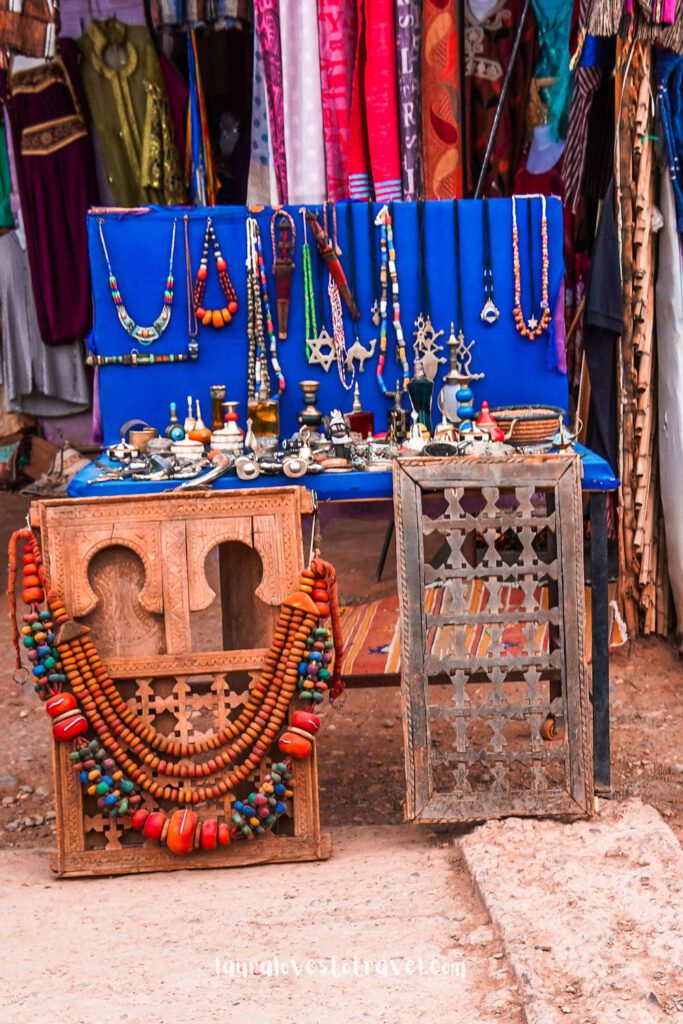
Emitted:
<point x="322" y="350"/>
<point x="490" y="312"/>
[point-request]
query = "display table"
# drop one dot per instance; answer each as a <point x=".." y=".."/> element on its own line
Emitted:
<point x="598" y="480"/>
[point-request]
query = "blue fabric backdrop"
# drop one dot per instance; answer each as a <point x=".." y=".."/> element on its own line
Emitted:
<point x="517" y="371"/>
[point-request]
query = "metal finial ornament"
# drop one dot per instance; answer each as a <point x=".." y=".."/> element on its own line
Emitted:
<point x="425" y="347"/>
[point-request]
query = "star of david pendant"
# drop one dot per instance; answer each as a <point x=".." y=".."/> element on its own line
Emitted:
<point x="533" y="323"/>
<point x="490" y="312"/>
<point x="322" y="350"/>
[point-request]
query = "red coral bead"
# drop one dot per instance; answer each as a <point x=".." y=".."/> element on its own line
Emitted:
<point x="295" y="746"/>
<point x="221" y="264"/>
<point x="59" y="703"/>
<point x="139" y="818"/>
<point x="180" y="836"/>
<point x="34" y="595"/>
<point x="232" y="306"/>
<point x="73" y="725"/>
<point x="223" y="834"/>
<point x="154" y="825"/>
<point x="307" y="721"/>
<point x="209" y="835"/>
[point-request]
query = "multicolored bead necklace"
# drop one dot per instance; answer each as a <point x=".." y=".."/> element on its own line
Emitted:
<point x="214" y="317"/>
<point x="311" y="323"/>
<point x="388" y="271"/>
<point x="261" y="312"/>
<point x="115" y="775"/>
<point x="338" y="330"/>
<point x="532" y="327"/>
<point x="145" y="335"/>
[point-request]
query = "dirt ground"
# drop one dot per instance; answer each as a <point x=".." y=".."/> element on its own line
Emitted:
<point x="361" y="748"/>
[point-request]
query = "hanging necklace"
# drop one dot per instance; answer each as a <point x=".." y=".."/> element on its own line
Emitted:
<point x="328" y="252"/>
<point x="374" y="308"/>
<point x="145" y="335"/>
<point x="214" y="317"/>
<point x="357" y="351"/>
<point x="310" y="320"/>
<point x="283" y="238"/>
<point x="532" y="327"/>
<point x="261" y="313"/>
<point x="136" y="358"/>
<point x="490" y="312"/>
<point x="257" y="348"/>
<point x="322" y="343"/>
<point x="425" y="347"/>
<point x="389" y="272"/>
<point x="338" y="331"/>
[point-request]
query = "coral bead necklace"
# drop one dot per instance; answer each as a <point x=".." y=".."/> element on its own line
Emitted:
<point x="533" y="327"/>
<point x="389" y="273"/>
<point x="214" y="317"/>
<point x="62" y="653"/>
<point x="145" y="335"/>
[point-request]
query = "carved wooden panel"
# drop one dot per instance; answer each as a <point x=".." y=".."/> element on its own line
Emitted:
<point x="495" y="702"/>
<point x="135" y="570"/>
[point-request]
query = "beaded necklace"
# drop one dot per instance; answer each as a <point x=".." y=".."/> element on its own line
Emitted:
<point x="321" y="344"/>
<point x="260" y="313"/>
<point x="61" y="653"/>
<point x="389" y="271"/>
<point x="311" y="324"/>
<point x="490" y="312"/>
<point x="145" y="335"/>
<point x="357" y="350"/>
<point x="214" y="317"/>
<point x="338" y="331"/>
<point x="532" y="327"/>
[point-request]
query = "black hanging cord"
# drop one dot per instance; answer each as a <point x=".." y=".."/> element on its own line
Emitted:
<point x="372" y="236"/>
<point x="488" y="264"/>
<point x="425" y="299"/>
<point x="351" y="246"/>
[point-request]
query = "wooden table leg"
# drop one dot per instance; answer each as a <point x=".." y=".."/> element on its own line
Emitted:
<point x="600" y="640"/>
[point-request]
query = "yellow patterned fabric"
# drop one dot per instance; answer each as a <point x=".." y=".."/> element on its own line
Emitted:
<point x="131" y="115"/>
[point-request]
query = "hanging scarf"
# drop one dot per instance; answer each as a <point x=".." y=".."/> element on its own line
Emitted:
<point x="200" y="170"/>
<point x="586" y="83"/>
<point x="374" y="106"/>
<point x="441" y="102"/>
<point x="408" y="46"/>
<point x="303" y="117"/>
<point x="554" y="23"/>
<point x="337" y="28"/>
<point x="262" y="187"/>
<point x="267" y="18"/>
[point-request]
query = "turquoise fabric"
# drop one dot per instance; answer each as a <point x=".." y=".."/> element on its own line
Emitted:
<point x="554" y="19"/>
<point x="6" y="215"/>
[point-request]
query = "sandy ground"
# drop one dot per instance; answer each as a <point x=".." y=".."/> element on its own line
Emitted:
<point x="147" y="946"/>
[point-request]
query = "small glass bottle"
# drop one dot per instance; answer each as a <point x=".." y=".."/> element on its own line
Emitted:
<point x="217" y="395"/>
<point x="360" y="421"/>
<point x="174" y="431"/>
<point x="264" y="413"/>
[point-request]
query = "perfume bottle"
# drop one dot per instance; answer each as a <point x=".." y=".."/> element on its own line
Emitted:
<point x="188" y="425"/>
<point x="217" y="395"/>
<point x="420" y="390"/>
<point x="200" y="431"/>
<point x="174" y="431"/>
<point x="397" y="427"/>
<point x="360" y="421"/>
<point x="264" y="413"/>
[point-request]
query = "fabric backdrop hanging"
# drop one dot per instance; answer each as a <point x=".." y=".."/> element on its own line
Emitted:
<point x="267" y="18"/>
<point x="409" y="55"/>
<point x="302" y="102"/>
<point x="337" y="29"/>
<point x="441" y="101"/>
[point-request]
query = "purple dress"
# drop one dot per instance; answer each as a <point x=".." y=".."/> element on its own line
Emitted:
<point x="57" y="184"/>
